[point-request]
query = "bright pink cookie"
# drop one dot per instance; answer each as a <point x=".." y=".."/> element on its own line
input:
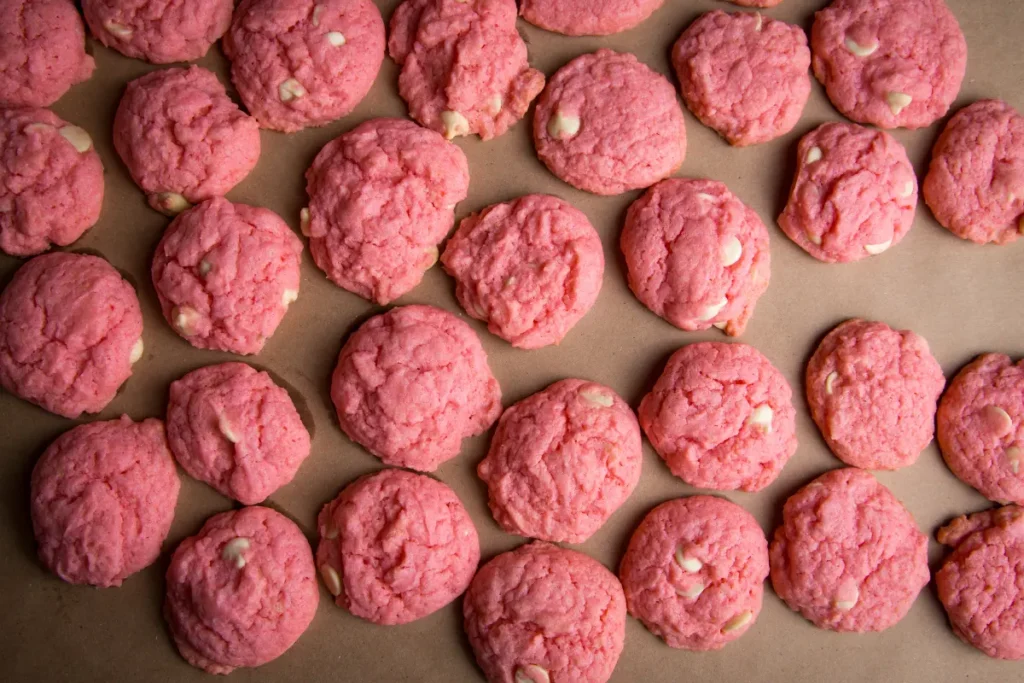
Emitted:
<point x="396" y="546"/>
<point x="744" y="75"/>
<point x="233" y="428"/>
<point x="183" y="139"/>
<point x="696" y="255"/>
<point x="411" y="384"/>
<point x="848" y="556"/>
<point x="530" y="268"/>
<point x="302" y="63"/>
<point x="51" y="181"/>
<point x="103" y="498"/>
<point x="70" y="331"/>
<point x="889" y="63"/>
<point x="540" y="614"/>
<point x="382" y="197"/>
<point x="226" y="273"/>
<point x="241" y="591"/>
<point x="588" y="17"/>
<point x="981" y="427"/>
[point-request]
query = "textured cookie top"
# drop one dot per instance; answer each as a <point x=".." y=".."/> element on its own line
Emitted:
<point x="588" y="17"/>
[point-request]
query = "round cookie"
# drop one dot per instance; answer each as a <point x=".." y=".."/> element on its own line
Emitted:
<point x="696" y="255"/>
<point x="382" y="197"/>
<point x="230" y="426"/>
<point x="542" y="613"/>
<point x="396" y="546"/>
<point x="103" y="498"/>
<point x="182" y="138"/>
<point x="225" y="275"/>
<point x="848" y="556"/>
<point x="302" y="63"/>
<point x="70" y="331"/>
<point x="464" y="66"/>
<point x="588" y="17"/>
<point x="743" y="75"/>
<point x="606" y="123"/>
<point x="411" y="384"/>
<point x="981" y="427"/>
<point x="562" y="461"/>
<point x="51" y="181"/>
<point x="241" y="591"/>
<point x="889" y="63"/>
<point x="975" y="183"/>
<point x="530" y="268"/>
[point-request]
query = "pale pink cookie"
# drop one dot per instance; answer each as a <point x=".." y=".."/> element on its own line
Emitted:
<point x="981" y="427"/>
<point x="588" y="17"/>
<point x="530" y="268"/>
<point x="225" y="275"/>
<point x="381" y="198"/>
<point x="303" y="63"/>
<point x="70" y="332"/>
<point x="975" y="183"/>
<point x="396" y="546"/>
<point x="233" y="428"/>
<point x="411" y="384"/>
<point x="241" y="591"/>
<point x="183" y="139"/>
<point x="543" y="614"/>
<point x="51" y="181"/>
<point x="103" y="498"/>
<point x="696" y="255"/>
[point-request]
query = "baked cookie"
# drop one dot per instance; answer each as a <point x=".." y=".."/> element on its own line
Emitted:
<point x="588" y="17"/>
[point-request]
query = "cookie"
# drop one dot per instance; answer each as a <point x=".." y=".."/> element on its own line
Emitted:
<point x="183" y="139"/>
<point x="889" y="63"/>
<point x="530" y="268"/>
<point x="225" y="275"/>
<point x="981" y="427"/>
<point x="396" y="546"/>
<point x="541" y="613"/>
<point x="70" y="332"/>
<point x="696" y="255"/>
<point x="51" y="181"/>
<point x="562" y="461"/>
<point x="848" y="556"/>
<point x="588" y="17"/>
<point x="382" y="197"/>
<point x="103" y="498"/>
<point x="241" y="591"/>
<point x="743" y="75"/>
<point x="411" y="384"/>
<point x="606" y="123"/>
<point x="303" y="63"/>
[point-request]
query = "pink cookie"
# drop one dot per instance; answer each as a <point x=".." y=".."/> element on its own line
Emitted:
<point x="541" y="614"/>
<point x="233" y="428"/>
<point x="694" y="572"/>
<point x="302" y="63"/>
<point x="183" y="139"/>
<point x="848" y="556"/>
<point x="588" y="17"/>
<point x="744" y="75"/>
<point x="606" y="123"/>
<point x="530" y="268"/>
<point x="562" y="461"/>
<point x="696" y="255"/>
<point x="889" y="63"/>
<point x="51" y="181"/>
<point x="411" y="384"/>
<point x="396" y="546"/>
<point x="975" y="183"/>
<point x="241" y="591"/>
<point x="103" y="498"/>
<point x="70" y="331"/>
<point x="42" y="52"/>
<point x="226" y="273"/>
<point x="981" y="427"/>
<point x="382" y="197"/>
<point x="464" y="66"/>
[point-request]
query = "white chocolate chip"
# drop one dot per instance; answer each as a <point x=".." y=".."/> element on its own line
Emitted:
<point x="846" y="605"/>
<point x="336" y="38"/>
<point x="36" y="126"/>
<point x="455" y="124"/>
<point x="760" y="22"/>
<point x="813" y="154"/>
<point x="597" y="399"/>
<point x="289" y="296"/>
<point x="185" y="319"/>
<point x="290" y="90"/>
<point x="330" y="532"/>
<point x="204" y="268"/>
<point x="898" y="101"/>
<point x="737" y="622"/>
<point x="119" y="30"/>
<point x="860" y="50"/>
<point x="225" y="428"/>
<point x="137" y="348"/>
<point x="847" y="597"/>
<point x="531" y="673"/>
<point x="997" y="420"/>
<point x="829" y="381"/>
<point x="815" y="239"/>
<point x="1013" y="456"/>
<point x="690" y="565"/>
<point x="722" y="325"/>
<point x="432" y="255"/>
<point x="510" y="280"/>
<point x="233" y="550"/>
<point x="78" y="138"/>
<point x="875" y="249"/>
<point x="732" y="250"/>
<point x="331" y="579"/>
<point x="317" y="11"/>
<point x="908" y="188"/>
<point x="494" y="104"/>
<point x="171" y="203"/>
<point x="692" y="592"/>
<point x="712" y="310"/>
<point x="562" y="126"/>
<point x="705" y="197"/>
<point x="761" y="418"/>
<point x="304" y="221"/>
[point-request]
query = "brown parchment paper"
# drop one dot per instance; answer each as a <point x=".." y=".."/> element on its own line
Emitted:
<point x="963" y="298"/>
